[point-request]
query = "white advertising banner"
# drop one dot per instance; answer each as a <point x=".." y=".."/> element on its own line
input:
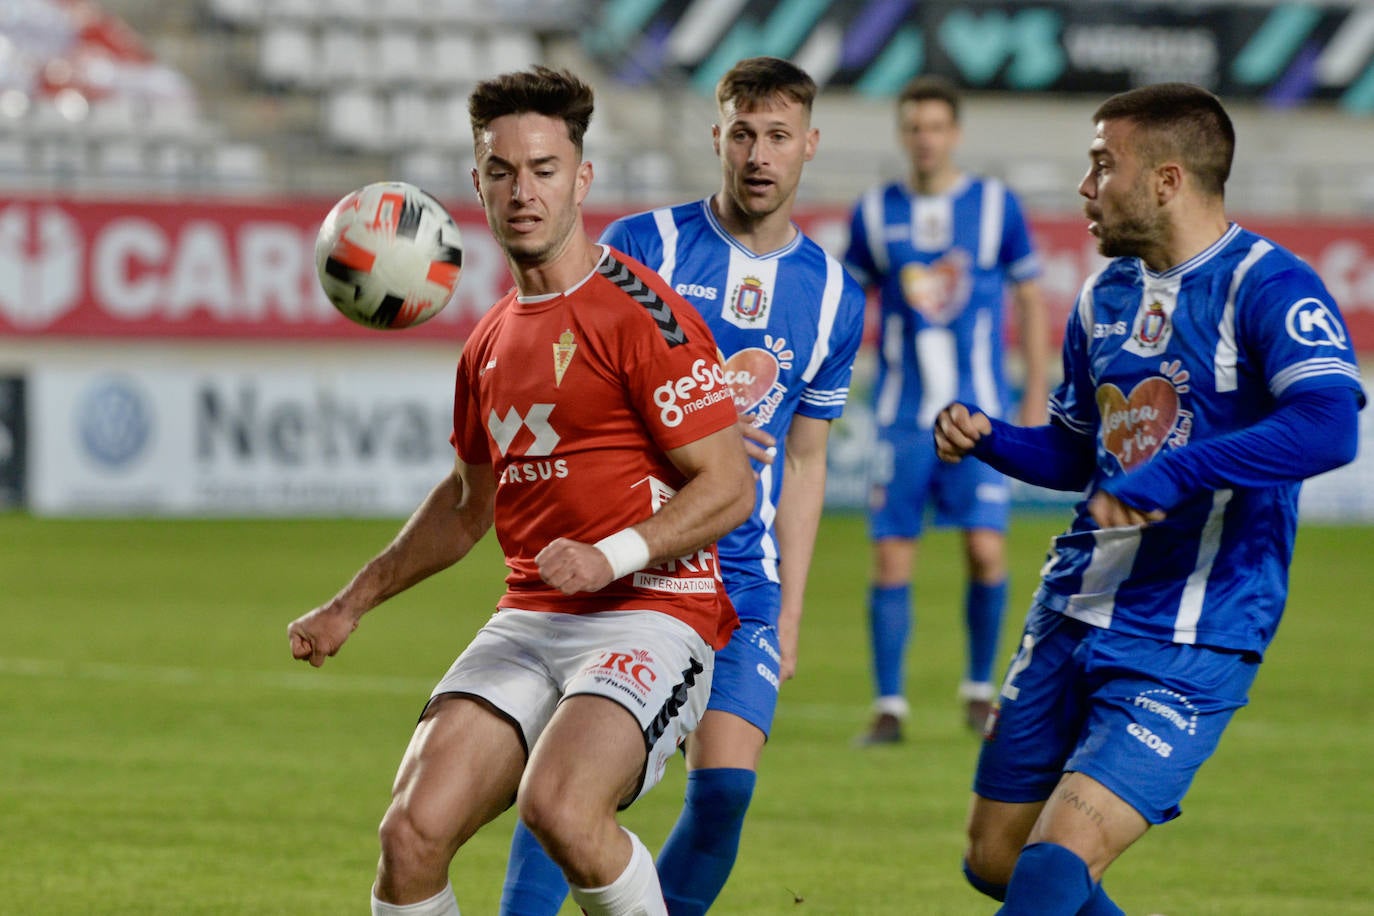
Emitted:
<point x="245" y="441"/>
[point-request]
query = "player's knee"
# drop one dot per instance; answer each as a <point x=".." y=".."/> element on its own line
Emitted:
<point x="990" y="862"/>
<point x="723" y="793"/>
<point x="409" y="846"/>
<point x="996" y="890"/>
<point x="551" y="818"/>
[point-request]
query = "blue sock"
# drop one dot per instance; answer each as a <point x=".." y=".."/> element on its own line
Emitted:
<point x="997" y="892"/>
<point x="534" y="886"/>
<point x="889" y="623"/>
<point x="984" y="606"/>
<point x="699" y="853"/>
<point x="1099" y="904"/>
<point x="1048" y="880"/>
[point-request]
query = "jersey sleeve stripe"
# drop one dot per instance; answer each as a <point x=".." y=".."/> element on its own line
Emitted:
<point x="667" y="234"/>
<point x="990" y="223"/>
<point x="1057" y="410"/>
<point x="875" y="229"/>
<point x="833" y="398"/>
<point x="1311" y="368"/>
<point x="1227" y="352"/>
<point x="830" y="309"/>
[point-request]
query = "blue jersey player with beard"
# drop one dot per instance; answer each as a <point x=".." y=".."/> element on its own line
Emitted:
<point x="788" y="320"/>
<point x="1207" y="373"/>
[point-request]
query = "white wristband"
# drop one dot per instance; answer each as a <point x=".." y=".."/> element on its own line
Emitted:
<point x="625" y="550"/>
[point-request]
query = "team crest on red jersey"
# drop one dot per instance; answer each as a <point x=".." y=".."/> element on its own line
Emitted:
<point x="563" y="353"/>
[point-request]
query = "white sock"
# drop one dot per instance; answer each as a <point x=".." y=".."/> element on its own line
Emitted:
<point x="895" y="706"/>
<point x="635" y="893"/>
<point x="441" y="904"/>
<point x="977" y="690"/>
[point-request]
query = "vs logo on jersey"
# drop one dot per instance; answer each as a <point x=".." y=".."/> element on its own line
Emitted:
<point x="504" y="430"/>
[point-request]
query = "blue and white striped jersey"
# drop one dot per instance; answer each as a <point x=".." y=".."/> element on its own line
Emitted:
<point x="1153" y="362"/>
<point x="941" y="264"/>
<point x="788" y="324"/>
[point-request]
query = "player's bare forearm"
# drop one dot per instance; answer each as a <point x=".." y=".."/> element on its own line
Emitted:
<point x="957" y="431"/>
<point x="799" y="515"/>
<point x="1034" y="330"/>
<point x="453" y="517"/>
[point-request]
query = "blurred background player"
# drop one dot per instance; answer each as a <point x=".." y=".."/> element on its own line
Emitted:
<point x="578" y="691"/>
<point x="1208" y="372"/>
<point x="942" y="249"/>
<point x="789" y="321"/>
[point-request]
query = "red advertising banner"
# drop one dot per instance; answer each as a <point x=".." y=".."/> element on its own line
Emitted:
<point x="233" y="269"/>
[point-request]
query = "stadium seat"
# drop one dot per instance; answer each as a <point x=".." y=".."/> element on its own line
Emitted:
<point x="354" y="117"/>
<point x="287" y="55"/>
<point x="409" y="118"/>
<point x="455" y="56"/>
<point x="398" y="56"/>
<point x="510" y="49"/>
<point x="344" y="58"/>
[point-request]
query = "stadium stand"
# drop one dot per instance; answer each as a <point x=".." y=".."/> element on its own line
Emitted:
<point x="265" y="96"/>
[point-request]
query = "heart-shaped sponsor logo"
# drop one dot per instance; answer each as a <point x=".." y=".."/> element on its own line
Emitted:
<point x="1135" y="428"/>
<point x="751" y="374"/>
<point x="939" y="290"/>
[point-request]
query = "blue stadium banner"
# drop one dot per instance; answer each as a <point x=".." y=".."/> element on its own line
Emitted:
<point x="13" y="441"/>
<point x="1284" y="53"/>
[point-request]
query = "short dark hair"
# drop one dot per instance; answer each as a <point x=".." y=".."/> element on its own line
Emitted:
<point x="931" y="89"/>
<point x="539" y="90"/>
<point x="756" y="81"/>
<point x="1183" y="122"/>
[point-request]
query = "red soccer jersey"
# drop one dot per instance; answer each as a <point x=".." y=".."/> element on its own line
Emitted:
<point x="574" y="399"/>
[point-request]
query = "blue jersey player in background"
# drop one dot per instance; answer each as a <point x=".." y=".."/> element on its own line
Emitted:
<point x="943" y="249"/>
<point x="1207" y="372"/>
<point x="788" y="320"/>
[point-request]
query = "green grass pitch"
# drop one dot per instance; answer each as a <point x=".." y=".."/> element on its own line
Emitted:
<point x="161" y="753"/>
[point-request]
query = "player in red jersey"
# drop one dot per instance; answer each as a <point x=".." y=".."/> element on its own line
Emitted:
<point x="593" y="426"/>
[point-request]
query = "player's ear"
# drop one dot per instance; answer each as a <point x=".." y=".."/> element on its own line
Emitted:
<point x="813" y="139"/>
<point x="715" y="139"/>
<point x="584" y="179"/>
<point x="1168" y="179"/>
<point x="477" y="186"/>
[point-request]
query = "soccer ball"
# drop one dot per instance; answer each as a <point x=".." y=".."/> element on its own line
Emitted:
<point x="389" y="255"/>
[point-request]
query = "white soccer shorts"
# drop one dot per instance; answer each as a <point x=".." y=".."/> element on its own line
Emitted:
<point x="525" y="662"/>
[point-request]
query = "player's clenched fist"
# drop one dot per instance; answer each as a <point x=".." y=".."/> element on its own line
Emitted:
<point x="319" y="634"/>
<point x="572" y="566"/>
<point x="957" y="431"/>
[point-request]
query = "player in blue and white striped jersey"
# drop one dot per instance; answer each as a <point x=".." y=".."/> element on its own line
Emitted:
<point x="943" y="249"/>
<point x="1208" y="372"/>
<point x="788" y="320"/>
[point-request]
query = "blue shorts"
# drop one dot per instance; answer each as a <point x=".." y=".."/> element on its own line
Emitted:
<point x="907" y="476"/>
<point x="745" y="683"/>
<point x="1138" y="715"/>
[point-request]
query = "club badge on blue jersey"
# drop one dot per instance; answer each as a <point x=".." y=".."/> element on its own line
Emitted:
<point x="748" y="304"/>
<point x="1153" y="324"/>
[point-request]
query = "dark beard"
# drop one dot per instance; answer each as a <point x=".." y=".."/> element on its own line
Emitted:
<point x="1130" y="239"/>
